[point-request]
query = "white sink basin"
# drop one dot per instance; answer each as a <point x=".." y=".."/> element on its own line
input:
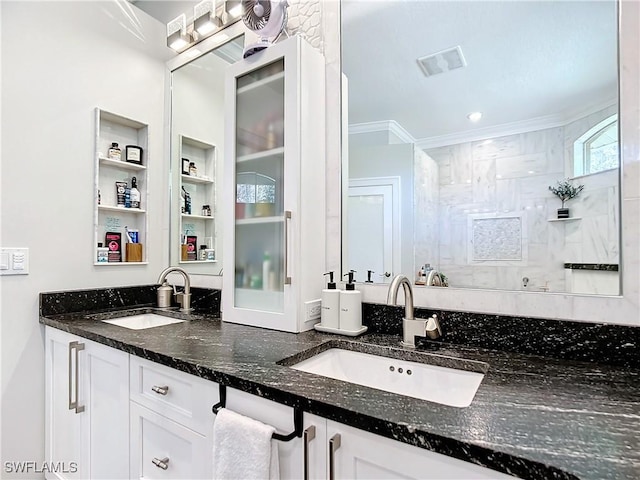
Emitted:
<point x="448" y="386"/>
<point x="140" y="322"/>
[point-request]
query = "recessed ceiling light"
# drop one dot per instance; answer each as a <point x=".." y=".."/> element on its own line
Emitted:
<point x="531" y="172"/>
<point x="474" y="116"/>
<point x="486" y="142"/>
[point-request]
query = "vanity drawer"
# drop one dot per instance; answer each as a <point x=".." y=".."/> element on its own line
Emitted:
<point x="162" y="449"/>
<point x="176" y="395"/>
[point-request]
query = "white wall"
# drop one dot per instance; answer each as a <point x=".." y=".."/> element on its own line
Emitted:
<point x="61" y="60"/>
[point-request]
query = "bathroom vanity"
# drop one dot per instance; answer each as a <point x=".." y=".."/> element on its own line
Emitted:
<point x="531" y="417"/>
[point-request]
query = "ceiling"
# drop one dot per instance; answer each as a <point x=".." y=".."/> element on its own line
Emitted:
<point x="525" y="59"/>
<point x="166" y="10"/>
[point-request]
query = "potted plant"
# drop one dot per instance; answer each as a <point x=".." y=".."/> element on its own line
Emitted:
<point x="565" y="190"/>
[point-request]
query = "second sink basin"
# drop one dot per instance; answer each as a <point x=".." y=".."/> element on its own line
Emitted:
<point x="145" y="320"/>
<point x="448" y="386"/>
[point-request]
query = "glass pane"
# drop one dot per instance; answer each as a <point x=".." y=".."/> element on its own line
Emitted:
<point x="602" y="149"/>
<point x="259" y="234"/>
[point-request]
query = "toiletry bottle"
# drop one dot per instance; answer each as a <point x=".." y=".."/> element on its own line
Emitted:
<point x="350" y="306"/>
<point x="114" y="152"/>
<point x="266" y="270"/>
<point x="202" y="254"/>
<point x="102" y="254"/>
<point x="330" y="308"/>
<point x="134" y="194"/>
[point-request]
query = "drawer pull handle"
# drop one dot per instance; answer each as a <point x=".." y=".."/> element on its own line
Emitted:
<point x="160" y="390"/>
<point x="334" y="444"/>
<point x="161" y="463"/>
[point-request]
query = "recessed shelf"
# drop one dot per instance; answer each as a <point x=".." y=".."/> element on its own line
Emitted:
<point x="121" y="164"/>
<point x="259" y="220"/>
<point x="110" y="208"/>
<point x="198" y="261"/>
<point x="201" y="217"/>
<point x="564" y="219"/>
<point x="191" y="179"/>
<point x="104" y="264"/>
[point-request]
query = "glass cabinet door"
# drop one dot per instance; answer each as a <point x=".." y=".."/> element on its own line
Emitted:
<point x="260" y="219"/>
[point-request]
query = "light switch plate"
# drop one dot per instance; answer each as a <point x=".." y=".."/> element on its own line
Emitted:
<point x="312" y="310"/>
<point x="16" y="261"/>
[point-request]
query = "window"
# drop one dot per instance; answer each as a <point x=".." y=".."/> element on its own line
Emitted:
<point x="597" y="150"/>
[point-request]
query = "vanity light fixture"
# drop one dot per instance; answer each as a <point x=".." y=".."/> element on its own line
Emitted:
<point x="474" y="116"/>
<point x="205" y="20"/>
<point x="233" y="8"/>
<point x="177" y="37"/>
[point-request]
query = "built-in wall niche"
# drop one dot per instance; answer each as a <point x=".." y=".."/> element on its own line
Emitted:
<point x="198" y="212"/>
<point x="121" y="154"/>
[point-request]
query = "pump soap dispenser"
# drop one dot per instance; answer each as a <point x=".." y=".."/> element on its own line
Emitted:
<point x="351" y="309"/>
<point x="330" y="309"/>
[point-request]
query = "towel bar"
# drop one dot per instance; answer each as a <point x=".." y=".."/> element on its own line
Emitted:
<point x="297" y="417"/>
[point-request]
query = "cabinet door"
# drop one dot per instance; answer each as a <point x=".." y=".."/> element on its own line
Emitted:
<point x="291" y="454"/>
<point x="262" y="172"/>
<point x="90" y="439"/>
<point x="162" y="449"/>
<point x="63" y="425"/>
<point x="362" y="455"/>
<point x="104" y="393"/>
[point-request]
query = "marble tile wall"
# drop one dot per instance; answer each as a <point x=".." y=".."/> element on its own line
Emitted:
<point x="510" y="175"/>
<point x="426" y="203"/>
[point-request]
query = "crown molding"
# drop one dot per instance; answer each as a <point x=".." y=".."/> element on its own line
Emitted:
<point x="390" y="126"/>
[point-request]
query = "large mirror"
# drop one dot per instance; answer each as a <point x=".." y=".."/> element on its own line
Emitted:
<point x="432" y="188"/>
<point x="197" y="154"/>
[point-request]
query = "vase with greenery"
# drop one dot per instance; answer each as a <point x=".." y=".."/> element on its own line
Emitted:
<point x="565" y="190"/>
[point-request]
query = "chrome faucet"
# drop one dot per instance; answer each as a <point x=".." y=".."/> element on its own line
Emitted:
<point x="412" y="327"/>
<point x="164" y="291"/>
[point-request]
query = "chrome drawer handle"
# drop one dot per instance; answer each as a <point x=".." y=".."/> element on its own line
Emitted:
<point x="334" y="444"/>
<point x="309" y="434"/>
<point x="160" y="390"/>
<point x="163" y="464"/>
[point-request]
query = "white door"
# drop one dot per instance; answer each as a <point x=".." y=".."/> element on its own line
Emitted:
<point x="373" y="228"/>
<point x="63" y="425"/>
<point x="104" y="393"/>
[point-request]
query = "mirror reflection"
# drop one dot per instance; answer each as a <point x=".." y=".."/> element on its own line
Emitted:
<point x="197" y="153"/>
<point x="459" y="124"/>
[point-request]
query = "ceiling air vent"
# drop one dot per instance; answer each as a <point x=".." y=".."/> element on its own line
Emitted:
<point x="442" y="61"/>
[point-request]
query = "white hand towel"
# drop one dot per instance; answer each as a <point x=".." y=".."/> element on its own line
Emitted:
<point x="243" y="448"/>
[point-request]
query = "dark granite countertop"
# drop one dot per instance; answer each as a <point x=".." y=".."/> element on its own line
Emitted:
<point x="533" y="417"/>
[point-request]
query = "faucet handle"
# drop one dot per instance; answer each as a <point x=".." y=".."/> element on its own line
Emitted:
<point x="432" y="328"/>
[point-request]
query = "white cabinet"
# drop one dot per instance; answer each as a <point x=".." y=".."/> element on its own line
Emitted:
<point x="274" y="238"/>
<point x="195" y="219"/>
<point x="356" y="454"/>
<point x="171" y="422"/>
<point x="291" y="453"/>
<point x="112" y="214"/>
<point x="87" y="414"/>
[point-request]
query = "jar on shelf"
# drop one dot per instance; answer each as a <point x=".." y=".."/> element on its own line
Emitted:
<point x="193" y="170"/>
<point x="114" y="152"/>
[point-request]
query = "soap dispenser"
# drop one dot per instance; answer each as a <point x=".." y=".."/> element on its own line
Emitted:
<point x="350" y="306"/>
<point x="330" y="309"/>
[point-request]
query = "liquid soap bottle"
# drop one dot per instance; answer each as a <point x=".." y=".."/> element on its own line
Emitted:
<point x="330" y="308"/>
<point x="350" y="306"/>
